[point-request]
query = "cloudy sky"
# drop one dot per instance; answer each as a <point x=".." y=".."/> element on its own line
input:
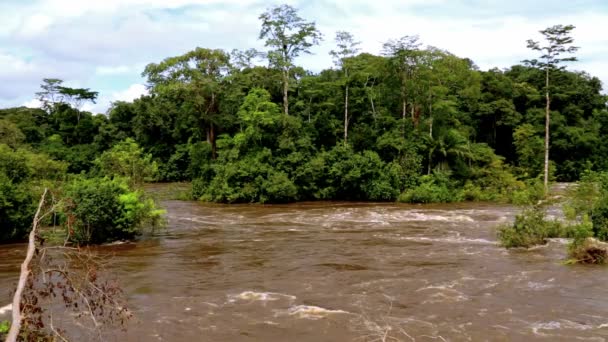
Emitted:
<point x="105" y="44"/>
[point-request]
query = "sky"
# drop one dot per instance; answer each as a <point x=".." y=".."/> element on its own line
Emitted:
<point x="104" y="45"/>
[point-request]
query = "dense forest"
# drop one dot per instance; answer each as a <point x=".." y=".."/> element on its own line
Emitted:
<point x="415" y="123"/>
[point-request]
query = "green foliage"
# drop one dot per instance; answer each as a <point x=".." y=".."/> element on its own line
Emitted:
<point x="250" y="179"/>
<point x="529" y="147"/>
<point x="434" y="188"/>
<point x="4" y="328"/>
<point x="177" y="167"/>
<point x="21" y="171"/>
<point x="421" y="125"/>
<point x="583" y="248"/>
<point x="10" y="134"/>
<point x="99" y="210"/>
<point x="17" y="207"/>
<point x="589" y="198"/>
<point x="599" y="217"/>
<point x="530" y="194"/>
<point x="529" y="229"/>
<point x="127" y="159"/>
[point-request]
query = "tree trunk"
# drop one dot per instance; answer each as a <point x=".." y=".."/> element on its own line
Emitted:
<point x="25" y="272"/>
<point x="547" y="121"/>
<point x="346" y="116"/>
<point x="430" y="151"/>
<point x="428" y="170"/>
<point x="404" y="113"/>
<point x="371" y="97"/>
<point x="212" y="139"/>
<point x="285" y="91"/>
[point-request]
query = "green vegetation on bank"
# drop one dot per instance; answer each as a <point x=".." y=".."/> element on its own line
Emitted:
<point x="585" y="222"/>
<point x="89" y="209"/>
<point x="413" y="124"/>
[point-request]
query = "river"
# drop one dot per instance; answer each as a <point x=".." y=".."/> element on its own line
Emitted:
<point x="332" y="271"/>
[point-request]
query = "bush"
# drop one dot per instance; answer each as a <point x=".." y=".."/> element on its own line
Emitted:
<point x="101" y="210"/>
<point x="343" y="174"/>
<point x="250" y="179"/>
<point x="599" y="217"/>
<point x="127" y="159"/>
<point x="17" y="207"/>
<point x="529" y="229"/>
<point x="176" y="168"/>
<point x="530" y="194"/>
<point x="21" y="172"/>
<point x="584" y="249"/>
<point x="434" y="188"/>
<point x="590" y="199"/>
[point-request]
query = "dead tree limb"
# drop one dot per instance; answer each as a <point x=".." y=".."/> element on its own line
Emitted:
<point x="25" y="272"/>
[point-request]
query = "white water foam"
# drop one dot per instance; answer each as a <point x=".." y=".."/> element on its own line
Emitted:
<point x="373" y="217"/>
<point x="562" y="324"/>
<point x="252" y="296"/>
<point x="6" y="309"/>
<point x="309" y="312"/>
<point x="455" y="239"/>
<point x="539" y="286"/>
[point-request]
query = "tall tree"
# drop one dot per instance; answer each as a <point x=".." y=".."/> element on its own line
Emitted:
<point x="404" y="56"/>
<point x="54" y="92"/>
<point x="50" y="93"/>
<point x="76" y="97"/>
<point x="242" y="59"/>
<point x="346" y="48"/>
<point x="558" y="41"/>
<point x="195" y="77"/>
<point x="288" y="35"/>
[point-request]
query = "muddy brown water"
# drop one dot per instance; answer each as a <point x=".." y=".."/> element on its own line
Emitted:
<point x="346" y="272"/>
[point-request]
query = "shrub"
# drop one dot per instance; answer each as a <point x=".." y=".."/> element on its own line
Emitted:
<point x="584" y="249"/>
<point x="17" y="207"/>
<point x="4" y="328"/>
<point x="599" y="217"/>
<point x="590" y="199"/>
<point x="529" y="229"/>
<point x="176" y="168"/>
<point x="344" y="174"/>
<point x="528" y="195"/>
<point x="101" y="210"/>
<point x="127" y="159"/>
<point x="434" y="188"/>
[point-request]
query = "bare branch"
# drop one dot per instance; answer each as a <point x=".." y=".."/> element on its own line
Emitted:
<point x="25" y="272"/>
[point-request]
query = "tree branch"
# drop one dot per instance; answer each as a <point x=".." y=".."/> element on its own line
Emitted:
<point x="25" y="272"/>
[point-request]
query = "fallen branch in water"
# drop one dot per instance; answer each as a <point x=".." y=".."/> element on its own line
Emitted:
<point x="25" y="272"/>
<point x="68" y="277"/>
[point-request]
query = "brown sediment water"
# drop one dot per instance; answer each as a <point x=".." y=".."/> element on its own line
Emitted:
<point x="333" y="271"/>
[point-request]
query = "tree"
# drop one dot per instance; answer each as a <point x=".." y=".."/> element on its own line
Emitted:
<point x="243" y="58"/>
<point x="558" y="42"/>
<point x="127" y="159"/>
<point x="404" y="54"/>
<point x="288" y="35"/>
<point x="76" y="97"/>
<point x="53" y="92"/>
<point x="196" y="79"/>
<point x="50" y="93"/>
<point x="347" y="48"/>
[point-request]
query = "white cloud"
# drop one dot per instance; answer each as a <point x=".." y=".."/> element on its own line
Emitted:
<point x="33" y="103"/>
<point x="35" y="24"/>
<point x="86" y="41"/>
<point x="112" y="70"/>
<point x="133" y="92"/>
<point x="104" y="101"/>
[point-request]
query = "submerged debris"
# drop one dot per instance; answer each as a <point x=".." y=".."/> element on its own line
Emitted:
<point x="590" y="251"/>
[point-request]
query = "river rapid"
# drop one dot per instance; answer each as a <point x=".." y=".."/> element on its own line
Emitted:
<point x="330" y="271"/>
